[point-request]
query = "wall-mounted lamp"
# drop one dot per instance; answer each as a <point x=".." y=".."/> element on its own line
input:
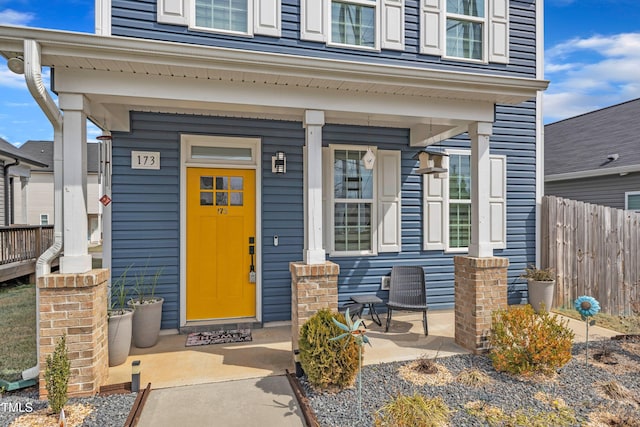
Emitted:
<point x="105" y="136"/>
<point x="369" y="159"/>
<point x="135" y="376"/>
<point x="16" y="65"/>
<point x="431" y="163"/>
<point x="279" y="163"/>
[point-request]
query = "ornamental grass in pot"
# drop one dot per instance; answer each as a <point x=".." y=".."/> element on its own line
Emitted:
<point x="147" y="314"/>
<point x="120" y="319"/>
<point x="540" y="286"/>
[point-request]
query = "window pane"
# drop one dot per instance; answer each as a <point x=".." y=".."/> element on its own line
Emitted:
<point x="206" y="199"/>
<point x="464" y="39"/>
<point x="352" y="227"/>
<point x="351" y="179"/>
<point x="459" y="177"/>
<point x="222" y="199"/>
<point x="221" y="153"/>
<point x="459" y="225"/>
<point x="236" y="183"/>
<point x="206" y="182"/>
<point x="633" y="202"/>
<point x="228" y="15"/>
<point x="353" y="24"/>
<point x="221" y="183"/>
<point x="466" y="7"/>
<point x="236" y="199"/>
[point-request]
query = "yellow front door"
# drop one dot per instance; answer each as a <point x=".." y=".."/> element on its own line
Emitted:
<point x="220" y="240"/>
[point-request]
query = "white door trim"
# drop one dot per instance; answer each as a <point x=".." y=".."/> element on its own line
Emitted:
<point x="186" y="142"/>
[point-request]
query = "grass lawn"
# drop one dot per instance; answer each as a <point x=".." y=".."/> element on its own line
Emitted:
<point x="18" y="330"/>
<point x="623" y="324"/>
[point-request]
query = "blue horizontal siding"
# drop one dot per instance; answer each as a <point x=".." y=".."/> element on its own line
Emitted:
<point x="137" y="18"/>
<point x="146" y="211"/>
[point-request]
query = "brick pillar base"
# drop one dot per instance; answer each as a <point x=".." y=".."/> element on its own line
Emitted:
<point x="480" y="288"/>
<point x="313" y="287"/>
<point x="76" y="305"/>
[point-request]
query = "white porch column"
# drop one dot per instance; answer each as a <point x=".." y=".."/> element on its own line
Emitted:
<point x="313" y="251"/>
<point x="480" y="245"/>
<point x="76" y="257"/>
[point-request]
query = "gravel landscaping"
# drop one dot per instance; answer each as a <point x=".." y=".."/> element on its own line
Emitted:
<point x="579" y="385"/>
<point x="107" y="411"/>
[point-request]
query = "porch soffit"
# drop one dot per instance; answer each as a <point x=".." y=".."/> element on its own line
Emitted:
<point x="101" y="67"/>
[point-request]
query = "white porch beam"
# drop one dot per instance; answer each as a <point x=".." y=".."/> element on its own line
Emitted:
<point x="480" y="245"/>
<point x="76" y="257"/>
<point x="313" y="250"/>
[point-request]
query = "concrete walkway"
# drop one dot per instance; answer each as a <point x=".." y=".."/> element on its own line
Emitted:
<point x="267" y="402"/>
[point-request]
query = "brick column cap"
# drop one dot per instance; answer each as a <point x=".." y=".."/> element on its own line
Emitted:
<point x="75" y="280"/>
<point x="300" y="269"/>
<point x="489" y="262"/>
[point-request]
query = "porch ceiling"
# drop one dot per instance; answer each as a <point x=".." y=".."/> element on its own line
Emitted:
<point x="76" y="54"/>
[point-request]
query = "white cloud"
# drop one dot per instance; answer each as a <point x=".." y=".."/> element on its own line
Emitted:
<point x="591" y="73"/>
<point x="10" y="79"/>
<point x="13" y="17"/>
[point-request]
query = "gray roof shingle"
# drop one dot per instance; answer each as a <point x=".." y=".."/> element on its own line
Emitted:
<point x="43" y="150"/>
<point x="582" y="143"/>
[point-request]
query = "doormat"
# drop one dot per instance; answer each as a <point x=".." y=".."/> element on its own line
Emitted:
<point x="218" y="337"/>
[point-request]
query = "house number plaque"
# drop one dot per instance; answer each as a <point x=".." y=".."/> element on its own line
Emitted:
<point x="145" y="160"/>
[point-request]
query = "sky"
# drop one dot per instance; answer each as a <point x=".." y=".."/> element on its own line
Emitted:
<point x="592" y="58"/>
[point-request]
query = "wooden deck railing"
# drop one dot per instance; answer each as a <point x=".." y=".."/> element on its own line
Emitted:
<point x="24" y="242"/>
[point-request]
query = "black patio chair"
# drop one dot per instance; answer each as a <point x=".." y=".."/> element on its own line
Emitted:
<point x="407" y="291"/>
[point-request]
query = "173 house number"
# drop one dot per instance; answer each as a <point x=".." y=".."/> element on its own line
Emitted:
<point x="145" y="160"/>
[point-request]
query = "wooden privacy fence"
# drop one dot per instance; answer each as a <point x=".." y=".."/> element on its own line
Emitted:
<point x="23" y="243"/>
<point x="595" y="251"/>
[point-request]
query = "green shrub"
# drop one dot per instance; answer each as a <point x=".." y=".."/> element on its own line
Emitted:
<point x="326" y="363"/>
<point x="411" y="411"/>
<point x="56" y="375"/>
<point x="524" y="342"/>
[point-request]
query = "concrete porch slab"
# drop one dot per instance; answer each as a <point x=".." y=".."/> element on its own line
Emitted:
<point x="170" y="364"/>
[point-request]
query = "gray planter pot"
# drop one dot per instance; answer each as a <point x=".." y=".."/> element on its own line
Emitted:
<point x="119" y="337"/>
<point x="146" y="322"/>
<point x="541" y="292"/>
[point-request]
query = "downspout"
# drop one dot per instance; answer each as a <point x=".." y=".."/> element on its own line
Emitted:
<point x="33" y="77"/>
<point x="7" y="205"/>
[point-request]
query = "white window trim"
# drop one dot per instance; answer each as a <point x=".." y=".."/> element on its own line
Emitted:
<point x="485" y="33"/>
<point x="377" y="6"/>
<point x="44" y="215"/>
<point x="248" y="33"/>
<point x="331" y="200"/>
<point x="626" y="199"/>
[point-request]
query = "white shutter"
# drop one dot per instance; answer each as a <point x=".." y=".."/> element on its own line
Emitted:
<point x="266" y="17"/>
<point x="499" y="31"/>
<point x="498" y="202"/>
<point x="431" y="26"/>
<point x="435" y="210"/>
<point x="173" y="12"/>
<point x="389" y="201"/>
<point x="393" y="24"/>
<point x="327" y="200"/>
<point x="314" y="20"/>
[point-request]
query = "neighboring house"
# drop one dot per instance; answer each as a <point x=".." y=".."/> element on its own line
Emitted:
<point x="16" y="169"/>
<point x="595" y="157"/>
<point x="39" y="189"/>
<point x="247" y="135"/>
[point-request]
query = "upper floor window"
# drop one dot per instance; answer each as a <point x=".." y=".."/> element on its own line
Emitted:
<point x="225" y="15"/>
<point x="44" y="219"/>
<point x="465" y="29"/>
<point x="353" y="22"/>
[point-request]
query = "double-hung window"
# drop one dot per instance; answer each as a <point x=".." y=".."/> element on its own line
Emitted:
<point x="465" y="29"/>
<point x="447" y="203"/>
<point x="353" y="201"/>
<point x="459" y="200"/>
<point x="222" y="15"/>
<point x="362" y="206"/>
<point x="353" y="22"/>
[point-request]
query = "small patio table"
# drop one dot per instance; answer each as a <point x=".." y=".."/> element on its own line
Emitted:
<point x="369" y="301"/>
